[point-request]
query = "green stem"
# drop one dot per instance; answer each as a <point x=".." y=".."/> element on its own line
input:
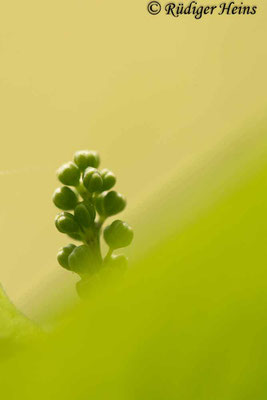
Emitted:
<point x="100" y="222"/>
<point x="92" y="239"/>
<point x="109" y="254"/>
<point x="97" y="249"/>
<point x="83" y="192"/>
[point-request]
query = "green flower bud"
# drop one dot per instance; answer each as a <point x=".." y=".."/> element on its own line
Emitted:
<point x="83" y="260"/>
<point x="65" y="223"/>
<point x="86" y="158"/>
<point x="75" y="236"/>
<point x="109" y="179"/>
<point x="118" y="234"/>
<point x="85" y="214"/>
<point x="92" y="180"/>
<point x="63" y="255"/>
<point x="110" y="203"/>
<point x="69" y="174"/>
<point x="99" y="203"/>
<point x="65" y="198"/>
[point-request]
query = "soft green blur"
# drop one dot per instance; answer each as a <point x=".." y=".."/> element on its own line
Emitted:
<point x="188" y="321"/>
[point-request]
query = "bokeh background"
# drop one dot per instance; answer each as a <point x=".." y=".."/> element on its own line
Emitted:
<point x="158" y="97"/>
<point x="177" y="109"/>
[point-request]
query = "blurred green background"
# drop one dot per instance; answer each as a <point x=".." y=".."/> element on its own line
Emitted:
<point x="155" y="96"/>
<point x="176" y="108"/>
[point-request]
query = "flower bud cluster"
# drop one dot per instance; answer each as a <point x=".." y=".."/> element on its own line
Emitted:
<point x="86" y="202"/>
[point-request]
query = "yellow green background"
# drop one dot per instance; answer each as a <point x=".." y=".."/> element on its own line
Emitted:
<point x="157" y="96"/>
<point x="177" y="109"/>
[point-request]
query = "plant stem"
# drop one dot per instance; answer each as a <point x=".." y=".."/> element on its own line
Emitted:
<point x="109" y="254"/>
<point x="92" y="239"/>
<point x="82" y="191"/>
<point x="100" y="222"/>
